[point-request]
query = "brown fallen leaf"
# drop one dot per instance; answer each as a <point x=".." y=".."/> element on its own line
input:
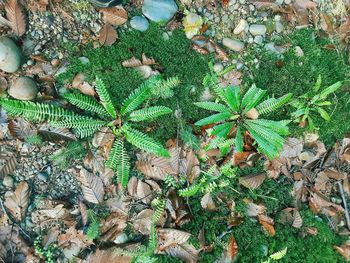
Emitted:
<point x="108" y="255"/>
<point x="232" y="249"/>
<point x="132" y="63"/>
<point x="17" y="202"/>
<point x="252" y="181"/>
<point x="140" y="190"/>
<point x="15" y="15"/>
<point x="55" y="134"/>
<point x="292" y="148"/>
<point x="305" y="4"/>
<point x="169" y="237"/>
<point x="344" y="250"/>
<point x="298" y="221"/>
<point x="108" y="35"/>
<point x="254" y="209"/>
<point x="147" y="61"/>
<point x="114" y="15"/>
<point x="208" y="203"/>
<point x="8" y="162"/>
<point x="267" y="224"/>
<point x="142" y="221"/>
<point x="91" y="186"/>
<point x="79" y="82"/>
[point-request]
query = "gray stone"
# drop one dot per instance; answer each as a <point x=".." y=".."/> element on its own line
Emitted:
<point x="8" y="181"/>
<point x="279" y="2"/>
<point x="84" y="60"/>
<point x="139" y="23"/>
<point x="145" y="71"/>
<point x="233" y="44"/>
<point x="259" y="40"/>
<point x="257" y="30"/>
<point x="279" y="27"/>
<point x="241" y="26"/>
<point x="10" y="55"/>
<point x="24" y="88"/>
<point x="159" y="10"/>
<point x="218" y="67"/>
<point x="287" y="2"/>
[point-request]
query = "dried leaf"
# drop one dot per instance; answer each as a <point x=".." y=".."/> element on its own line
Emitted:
<point x="185" y="252"/>
<point x="305" y="4"/>
<point x="255" y="209"/>
<point x="16" y="17"/>
<point x="103" y="137"/>
<point x="207" y="202"/>
<point x="132" y="63"/>
<point x="147" y="61"/>
<point x="232" y="249"/>
<point x="154" y="167"/>
<point x="292" y="148"/>
<point x="17" y="202"/>
<point x="142" y="221"/>
<point x="8" y="163"/>
<point x="252" y="181"/>
<point x="264" y="4"/>
<point x="267" y="225"/>
<point x="139" y="190"/>
<point x="108" y="35"/>
<point x="91" y="186"/>
<point x="83" y="212"/>
<point x="298" y="221"/>
<point x="344" y="250"/>
<point x="55" y="134"/>
<point x="114" y="15"/>
<point x="168" y="237"/>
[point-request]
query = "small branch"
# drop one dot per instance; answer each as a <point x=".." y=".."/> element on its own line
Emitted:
<point x="341" y="189"/>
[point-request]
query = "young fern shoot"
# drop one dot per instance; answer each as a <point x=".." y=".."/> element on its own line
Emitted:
<point x="237" y="115"/>
<point x="102" y="114"/>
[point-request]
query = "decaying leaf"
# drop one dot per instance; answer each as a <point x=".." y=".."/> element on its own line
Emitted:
<point x="207" y="202"/>
<point x="114" y="15"/>
<point x="113" y="226"/>
<point x="292" y="148"/>
<point x="132" y="63"/>
<point x="252" y="181"/>
<point x="298" y="221"/>
<point x="91" y="186"/>
<point x="8" y="162"/>
<point x="267" y="224"/>
<point x="108" y="35"/>
<point x="254" y="209"/>
<point x="56" y="134"/>
<point x="21" y="128"/>
<point x="154" y="167"/>
<point x="15" y="15"/>
<point x="142" y="221"/>
<point x="17" y="202"/>
<point x="147" y="61"/>
<point x="177" y="208"/>
<point x="305" y="4"/>
<point x="344" y="250"/>
<point x="186" y="252"/>
<point x="109" y="256"/>
<point x="83" y="212"/>
<point x="140" y="190"/>
<point x="232" y="249"/>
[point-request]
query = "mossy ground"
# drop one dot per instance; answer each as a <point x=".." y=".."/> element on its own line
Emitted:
<point x="298" y="74"/>
<point x="175" y="58"/>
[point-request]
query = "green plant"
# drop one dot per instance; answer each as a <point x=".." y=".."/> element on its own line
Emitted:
<point x="103" y="113"/>
<point x="47" y="253"/>
<point x="93" y="230"/>
<point x="277" y="255"/>
<point x="313" y="102"/>
<point x="242" y="114"/>
<point x="64" y="156"/>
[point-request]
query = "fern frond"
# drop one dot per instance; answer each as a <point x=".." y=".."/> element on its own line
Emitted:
<point x="85" y="132"/>
<point x="279" y="255"/>
<point x="222" y="130"/>
<point x="190" y="191"/>
<point x="267" y="133"/>
<point x="79" y="122"/>
<point x="93" y="230"/>
<point x="233" y="98"/>
<point x="259" y="94"/>
<point x="213" y="119"/>
<point x="138" y="96"/>
<point x="105" y="98"/>
<point x="118" y="160"/>
<point x="64" y="156"/>
<point x="276" y="126"/>
<point x="86" y="103"/>
<point x="164" y="88"/>
<point x="249" y="95"/>
<point x="144" y="142"/>
<point x="35" y="111"/>
<point x="239" y="139"/>
<point x="272" y="104"/>
<point x="159" y="206"/>
<point x="212" y="106"/>
<point x="150" y="113"/>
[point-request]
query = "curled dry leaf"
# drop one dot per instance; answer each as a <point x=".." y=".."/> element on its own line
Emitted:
<point x="207" y="202"/>
<point x="91" y="186"/>
<point x="292" y="148"/>
<point x="15" y="15"/>
<point x="140" y="190"/>
<point x="267" y="224"/>
<point x="113" y="226"/>
<point x="344" y="250"/>
<point x="72" y="242"/>
<point x="298" y="221"/>
<point x="8" y="162"/>
<point x="108" y="35"/>
<point x="343" y="150"/>
<point x="132" y="63"/>
<point x="55" y="134"/>
<point x="79" y="82"/>
<point x="305" y="4"/>
<point x="254" y="209"/>
<point x="147" y="61"/>
<point x="252" y="181"/>
<point x="17" y="202"/>
<point x="142" y="221"/>
<point x="232" y="249"/>
<point x="168" y="237"/>
<point x="186" y="252"/>
<point x="114" y="15"/>
<point x="83" y="212"/>
<point x="177" y="208"/>
<point x="104" y="137"/>
<point x="108" y="255"/>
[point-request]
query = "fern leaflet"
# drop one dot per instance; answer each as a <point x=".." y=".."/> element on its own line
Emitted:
<point x="105" y="98"/>
<point x="147" y="114"/>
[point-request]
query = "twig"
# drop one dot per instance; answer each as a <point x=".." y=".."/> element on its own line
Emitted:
<point x="341" y="189"/>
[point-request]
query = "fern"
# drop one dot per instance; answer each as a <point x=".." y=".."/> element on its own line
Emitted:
<point x="272" y="104"/>
<point x="86" y="103"/>
<point x="212" y="106"/>
<point x="105" y="98"/>
<point x="72" y="151"/>
<point x="213" y="119"/>
<point x="190" y="191"/>
<point x="159" y="206"/>
<point x="119" y="161"/>
<point x="93" y="230"/>
<point x="279" y="255"/>
<point x="164" y="88"/>
<point x="34" y="111"/>
<point x="150" y="113"/>
<point x="170" y="181"/>
<point x="143" y="142"/>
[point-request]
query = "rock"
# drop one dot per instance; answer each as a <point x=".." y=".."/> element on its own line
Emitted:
<point x="139" y="23"/>
<point x="145" y="71"/>
<point x="299" y="52"/>
<point x="24" y="88"/>
<point x="84" y="60"/>
<point x="242" y="25"/>
<point x="279" y="2"/>
<point x="105" y="3"/>
<point x="192" y="24"/>
<point x="233" y="44"/>
<point x="279" y="27"/>
<point x="287" y="2"/>
<point x="121" y="239"/>
<point x="218" y="67"/>
<point x="8" y="181"/>
<point x="159" y="10"/>
<point x="257" y="30"/>
<point x="10" y="55"/>
<point x="259" y="40"/>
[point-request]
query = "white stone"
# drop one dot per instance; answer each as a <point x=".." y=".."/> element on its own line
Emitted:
<point x="10" y="55"/>
<point x="299" y="52"/>
<point x="256" y="29"/>
<point x="287" y="2"/>
<point x="159" y="10"/>
<point x="145" y="71"/>
<point x="218" y="67"/>
<point x="241" y="26"/>
<point x="233" y="44"/>
<point x="8" y="181"/>
<point x="23" y="88"/>
<point x="279" y="27"/>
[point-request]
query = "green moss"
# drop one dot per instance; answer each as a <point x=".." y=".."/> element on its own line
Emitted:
<point x="298" y="74"/>
<point x="254" y="244"/>
<point x="174" y="57"/>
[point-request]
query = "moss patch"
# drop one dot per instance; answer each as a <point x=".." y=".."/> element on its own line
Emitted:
<point x="298" y="74"/>
<point x="174" y="57"/>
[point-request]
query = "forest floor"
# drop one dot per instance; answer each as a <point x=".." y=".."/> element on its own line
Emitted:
<point x="210" y="199"/>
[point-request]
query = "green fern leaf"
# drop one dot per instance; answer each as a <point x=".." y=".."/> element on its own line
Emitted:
<point x="164" y="88"/>
<point x="35" y="111"/>
<point x="212" y="106"/>
<point x="143" y="142"/>
<point x="86" y="103"/>
<point x="279" y="255"/>
<point x="151" y="113"/>
<point x="249" y="95"/>
<point x="105" y="98"/>
<point x="213" y="119"/>
<point x="272" y="104"/>
<point x="239" y="140"/>
<point x="119" y="161"/>
<point x="259" y="94"/>
<point x="159" y="206"/>
<point x="276" y="126"/>
<point x="190" y="191"/>
<point x="138" y="96"/>
<point x="233" y="100"/>
<point x="222" y="130"/>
